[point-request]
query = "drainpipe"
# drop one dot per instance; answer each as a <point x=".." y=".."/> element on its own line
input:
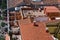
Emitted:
<point x="7" y="16"/>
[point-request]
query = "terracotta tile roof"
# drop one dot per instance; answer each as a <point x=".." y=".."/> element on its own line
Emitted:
<point x="50" y="1"/>
<point x="13" y="3"/>
<point x="27" y="1"/>
<point x="58" y="1"/>
<point x="36" y="3"/>
<point x="29" y="32"/>
<point x="7" y="37"/>
<point x="51" y="9"/>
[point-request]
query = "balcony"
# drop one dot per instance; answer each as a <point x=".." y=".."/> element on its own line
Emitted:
<point x="17" y="37"/>
<point x="15" y="30"/>
<point x="11" y="23"/>
<point x="12" y="18"/>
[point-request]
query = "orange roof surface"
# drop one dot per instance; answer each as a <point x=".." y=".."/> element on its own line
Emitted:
<point x="7" y="37"/>
<point x="30" y="32"/>
<point x="51" y="9"/>
<point x="36" y="3"/>
<point x="58" y="1"/>
<point x="13" y="3"/>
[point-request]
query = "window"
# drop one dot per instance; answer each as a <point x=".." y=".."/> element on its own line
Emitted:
<point x="37" y="0"/>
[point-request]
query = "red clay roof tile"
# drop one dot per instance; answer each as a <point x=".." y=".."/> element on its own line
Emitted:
<point x="13" y="3"/>
<point x="30" y="32"/>
<point x="7" y="37"/>
<point x="51" y="9"/>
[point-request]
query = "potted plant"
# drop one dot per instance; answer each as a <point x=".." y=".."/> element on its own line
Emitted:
<point x="3" y="24"/>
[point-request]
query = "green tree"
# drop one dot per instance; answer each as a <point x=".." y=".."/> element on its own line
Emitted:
<point x="2" y="38"/>
<point x="4" y="4"/>
<point x="10" y="34"/>
<point x="2" y="18"/>
<point x="14" y="39"/>
<point x="3" y="24"/>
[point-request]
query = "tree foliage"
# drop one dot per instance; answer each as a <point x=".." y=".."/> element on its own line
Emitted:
<point x="3" y="24"/>
<point x="2" y="38"/>
<point x="1" y="18"/>
<point x="3" y="4"/>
